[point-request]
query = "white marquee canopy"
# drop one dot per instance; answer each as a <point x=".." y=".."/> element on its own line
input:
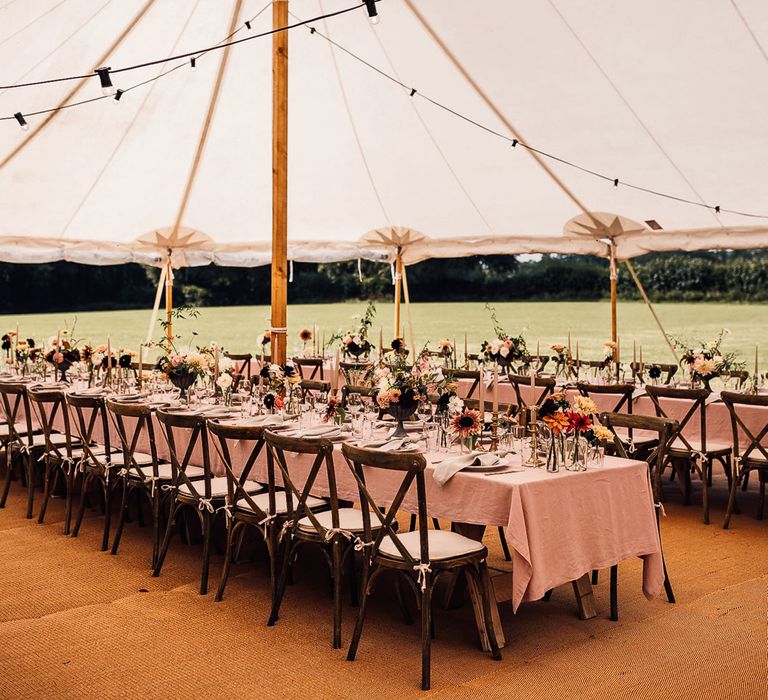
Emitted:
<point x="667" y="96"/>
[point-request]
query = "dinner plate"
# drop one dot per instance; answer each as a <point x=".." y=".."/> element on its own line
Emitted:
<point x="491" y="468"/>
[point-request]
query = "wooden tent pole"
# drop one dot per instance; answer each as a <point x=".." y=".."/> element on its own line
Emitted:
<point x="169" y="299"/>
<point x="156" y="307"/>
<point x="408" y="316"/>
<point x="614" y="276"/>
<point x="398" y="289"/>
<point x="279" y="182"/>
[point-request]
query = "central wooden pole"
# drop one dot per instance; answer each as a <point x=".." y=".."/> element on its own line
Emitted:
<point x="279" y="181"/>
<point x="169" y="299"/>
<point x="614" y="275"/>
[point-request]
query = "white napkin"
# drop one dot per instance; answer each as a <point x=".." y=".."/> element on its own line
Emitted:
<point x="444" y="471"/>
<point x="326" y="431"/>
<point x="388" y="445"/>
<point x="257" y="421"/>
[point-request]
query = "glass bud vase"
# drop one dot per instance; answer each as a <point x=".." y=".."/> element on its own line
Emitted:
<point x="576" y="453"/>
<point x="556" y="453"/>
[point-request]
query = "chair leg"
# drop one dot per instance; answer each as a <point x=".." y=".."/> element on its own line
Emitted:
<point x="595" y="576"/>
<point x="706" y="482"/>
<point x="426" y="637"/>
<point x="761" y="507"/>
<point x="504" y="545"/>
<point x="278" y="590"/>
<point x="30" y="466"/>
<point x="412" y="523"/>
<point x="121" y="520"/>
<point x="47" y="488"/>
<point x="81" y="507"/>
<point x="337" y="577"/>
<point x="107" y="515"/>
<point x="166" y="539"/>
<point x="364" y="593"/>
<point x="731" y="501"/>
<point x="207" y="536"/>
<point x="8" y="476"/>
<point x="548" y="595"/>
<point x="156" y="527"/>
<point x="615" y="592"/>
<point x="435" y="523"/>
<point x="70" y="480"/>
<point x="228" y="555"/>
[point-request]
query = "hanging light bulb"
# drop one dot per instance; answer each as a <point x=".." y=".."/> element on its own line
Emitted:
<point x="22" y="122"/>
<point x="106" y="82"/>
<point x="373" y="13"/>
<point x="193" y="62"/>
<point x="118" y="95"/>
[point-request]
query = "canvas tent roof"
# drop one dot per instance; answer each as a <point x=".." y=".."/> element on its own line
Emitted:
<point x="668" y="96"/>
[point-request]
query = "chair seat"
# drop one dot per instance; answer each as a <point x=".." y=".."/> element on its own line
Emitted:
<point x="218" y="485"/>
<point x="262" y="501"/>
<point x="443" y="544"/>
<point x="350" y="519"/>
<point x="5" y="432"/>
<point x="142" y="459"/>
<point x="640" y="438"/>
<point x="713" y="447"/>
<point x="165" y="472"/>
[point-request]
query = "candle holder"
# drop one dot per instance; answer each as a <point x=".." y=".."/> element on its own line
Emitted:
<point x="535" y="461"/>
<point x="494" y="431"/>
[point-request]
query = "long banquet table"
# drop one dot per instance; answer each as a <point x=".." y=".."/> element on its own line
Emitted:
<point x="561" y="526"/>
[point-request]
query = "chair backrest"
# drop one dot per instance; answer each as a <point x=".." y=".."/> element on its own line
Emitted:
<point x="622" y="393"/>
<point x="755" y="442"/>
<point x="698" y="406"/>
<point x="296" y="496"/>
<point x="740" y="375"/>
<point x="242" y="362"/>
<point x="505" y="409"/>
<point x="131" y="434"/>
<point x="541" y="362"/>
<point x="310" y="387"/>
<point x="656" y="458"/>
<point x="521" y="381"/>
<point x="667" y="369"/>
<point x="312" y="366"/>
<point x="186" y="434"/>
<point x="356" y="372"/>
<point x="47" y="404"/>
<point x="348" y="389"/>
<point x="18" y="413"/>
<point x="473" y="374"/>
<point x="412" y="466"/>
<point x="90" y="413"/>
<point x="224" y="438"/>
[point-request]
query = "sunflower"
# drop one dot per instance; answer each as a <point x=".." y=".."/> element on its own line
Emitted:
<point x="466" y="424"/>
<point x="305" y="335"/>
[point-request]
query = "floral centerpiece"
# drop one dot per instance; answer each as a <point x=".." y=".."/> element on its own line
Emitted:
<point x="305" y="336"/>
<point x="705" y="361"/>
<point x="504" y="349"/>
<point x="263" y="340"/>
<point x="355" y="342"/>
<point x="334" y="411"/>
<point x="467" y="425"/>
<point x="63" y="353"/>
<point x="399" y="388"/>
<point x="399" y="346"/>
<point x="562" y="358"/>
<point x="184" y="366"/>
<point x="6" y="343"/>
<point x="26" y="352"/>
<point x="609" y="353"/>
<point x="281" y="384"/>
<point x="569" y="425"/>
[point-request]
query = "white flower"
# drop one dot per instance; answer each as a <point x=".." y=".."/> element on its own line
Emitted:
<point x="224" y="381"/>
<point x="455" y="404"/>
<point x="495" y="345"/>
<point x="504" y="351"/>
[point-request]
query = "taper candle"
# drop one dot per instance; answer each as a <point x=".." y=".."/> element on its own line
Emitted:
<point x="495" y="387"/>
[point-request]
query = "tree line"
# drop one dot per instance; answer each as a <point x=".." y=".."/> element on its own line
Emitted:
<point x="709" y="276"/>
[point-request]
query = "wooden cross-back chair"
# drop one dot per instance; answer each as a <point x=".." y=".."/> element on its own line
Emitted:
<point x="688" y="453"/>
<point x="541" y="362"/>
<point x="242" y="362"/>
<point x="356" y="373"/>
<point x="667" y="370"/>
<point x="421" y="556"/>
<point x="753" y="457"/>
<point x="656" y="458"/>
<point x="362" y="391"/>
<point x="740" y="375"/>
<point x="192" y="486"/>
<point x="99" y="462"/>
<point x="637" y="445"/>
<point x="312" y="366"/>
<point x="142" y="474"/>
<point x="249" y="503"/>
<point x="313" y="387"/>
<point x="546" y="385"/>
<point x="324" y="523"/>
<point x="22" y="442"/>
<point x="471" y="374"/>
<point x="61" y="453"/>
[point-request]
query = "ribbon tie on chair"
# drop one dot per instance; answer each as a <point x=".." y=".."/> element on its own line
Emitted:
<point x="227" y="508"/>
<point x="423" y="570"/>
<point x="660" y="506"/>
<point x="333" y="531"/>
<point x="287" y="525"/>
<point x="206" y="504"/>
<point x="169" y="487"/>
<point x="360" y="545"/>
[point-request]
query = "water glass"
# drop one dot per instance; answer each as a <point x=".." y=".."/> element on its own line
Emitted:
<point x="358" y="422"/>
<point x="431" y="437"/>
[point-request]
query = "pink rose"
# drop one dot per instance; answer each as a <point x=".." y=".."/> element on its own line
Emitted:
<point x="58" y="358"/>
<point x="177" y="361"/>
<point x="508" y="343"/>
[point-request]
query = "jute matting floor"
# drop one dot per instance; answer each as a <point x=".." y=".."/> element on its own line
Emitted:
<point x="79" y="623"/>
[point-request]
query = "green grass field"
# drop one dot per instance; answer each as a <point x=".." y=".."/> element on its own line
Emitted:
<point x="236" y="328"/>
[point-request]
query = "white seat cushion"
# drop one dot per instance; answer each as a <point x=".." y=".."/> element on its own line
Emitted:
<point x="140" y="458"/>
<point x="639" y="437"/>
<point x="712" y="445"/>
<point x="443" y="544"/>
<point x="262" y="501"/>
<point x="58" y="439"/>
<point x="350" y="519"/>
<point x="218" y="485"/>
<point x="165" y="472"/>
<point x="21" y="429"/>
